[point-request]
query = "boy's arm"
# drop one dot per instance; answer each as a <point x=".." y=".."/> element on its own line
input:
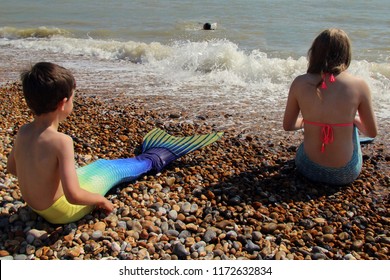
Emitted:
<point x="70" y="184"/>
<point x="11" y="163"/>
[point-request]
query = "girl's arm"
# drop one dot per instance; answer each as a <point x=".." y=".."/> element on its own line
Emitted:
<point x="291" y="121"/>
<point x="366" y="121"/>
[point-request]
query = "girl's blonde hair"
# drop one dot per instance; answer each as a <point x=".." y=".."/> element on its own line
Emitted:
<point x="330" y="52"/>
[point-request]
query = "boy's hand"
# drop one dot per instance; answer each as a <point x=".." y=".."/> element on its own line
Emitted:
<point x="106" y="205"/>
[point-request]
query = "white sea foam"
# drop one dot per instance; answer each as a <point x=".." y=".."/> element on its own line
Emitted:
<point x="210" y="68"/>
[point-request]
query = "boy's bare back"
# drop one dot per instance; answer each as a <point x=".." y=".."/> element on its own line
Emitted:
<point x="37" y="152"/>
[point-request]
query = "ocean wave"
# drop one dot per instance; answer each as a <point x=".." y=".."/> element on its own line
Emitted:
<point x="38" y="32"/>
<point x="220" y="59"/>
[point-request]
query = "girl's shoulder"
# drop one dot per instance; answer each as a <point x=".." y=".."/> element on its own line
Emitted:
<point x="354" y="82"/>
<point x="307" y="78"/>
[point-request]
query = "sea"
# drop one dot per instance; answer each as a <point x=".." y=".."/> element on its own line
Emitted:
<point x="156" y="50"/>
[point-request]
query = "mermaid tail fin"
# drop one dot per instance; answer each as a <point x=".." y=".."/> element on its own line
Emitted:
<point x="179" y="146"/>
<point x="162" y="148"/>
<point x="365" y="140"/>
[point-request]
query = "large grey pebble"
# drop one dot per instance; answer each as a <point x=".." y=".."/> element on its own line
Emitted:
<point x="122" y="224"/>
<point x="20" y="257"/>
<point x="198" y="246"/>
<point x="232" y="235"/>
<point x="172" y="215"/>
<point x="194" y="208"/>
<point x="84" y="236"/>
<point x="162" y="210"/>
<point x="349" y="257"/>
<point x="319" y="256"/>
<point x="209" y="235"/>
<point x="115" y="247"/>
<point x="164" y="227"/>
<point x="172" y="232"/>
<point x="257" y="235"/>
<point x="307" y="223"/>
<point x="185" y="207"/>
<point x="70" y="228"/>
<point x="135" y="225"/>
<point x="179" y="225"/>
<point x="97" y="234"/>
<point x="384" y="239"/>
<point x="251" y="247"/>
<point x="184" y="234"/>
<point x="37" y="234"/>
<point x="180" y="251"/>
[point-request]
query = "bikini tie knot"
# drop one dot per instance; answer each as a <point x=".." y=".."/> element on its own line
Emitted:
<point x="326" y="135"/>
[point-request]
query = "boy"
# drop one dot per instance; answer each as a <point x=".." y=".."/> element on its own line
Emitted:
<point x="43" y="157"/>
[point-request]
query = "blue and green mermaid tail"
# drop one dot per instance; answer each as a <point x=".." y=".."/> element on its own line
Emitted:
<point x="158" y="150"/>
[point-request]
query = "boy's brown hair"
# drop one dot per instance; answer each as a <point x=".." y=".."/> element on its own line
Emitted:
<point x="45" y="85"/>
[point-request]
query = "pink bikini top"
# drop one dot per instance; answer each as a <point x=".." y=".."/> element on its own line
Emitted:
<point x="327" y="136"/>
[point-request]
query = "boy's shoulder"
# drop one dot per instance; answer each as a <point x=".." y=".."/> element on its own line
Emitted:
<point x="57" y="143"/>
<point x="60" y="137"/>
<point x="49" y="137"/>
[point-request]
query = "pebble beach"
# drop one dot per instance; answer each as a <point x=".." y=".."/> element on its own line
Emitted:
<point x="239" y="198"/>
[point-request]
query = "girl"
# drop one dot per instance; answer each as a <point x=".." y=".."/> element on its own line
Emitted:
<point x="333" y="105"/>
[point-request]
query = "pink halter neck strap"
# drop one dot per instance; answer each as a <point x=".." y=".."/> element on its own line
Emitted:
<point x="332" y="79"/>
